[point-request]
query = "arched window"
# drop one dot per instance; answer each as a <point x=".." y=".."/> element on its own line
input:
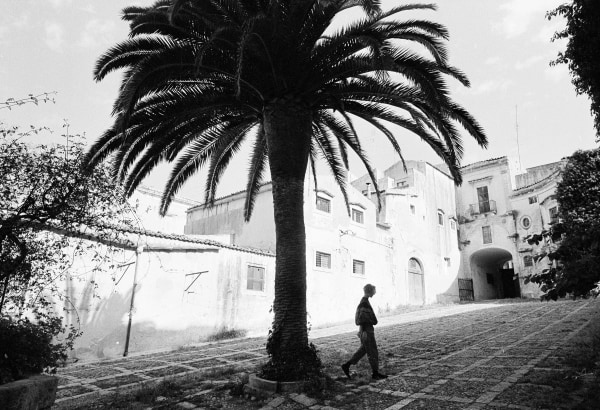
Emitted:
<point x="414" y="266"/>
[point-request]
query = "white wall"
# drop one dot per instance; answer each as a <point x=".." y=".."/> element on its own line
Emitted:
<point x="174" y="303"/>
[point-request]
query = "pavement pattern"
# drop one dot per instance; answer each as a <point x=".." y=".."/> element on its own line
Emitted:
<point x="472" y="356"/>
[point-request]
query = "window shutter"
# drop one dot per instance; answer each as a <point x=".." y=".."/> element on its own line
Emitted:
<point x="323" y="260"/>
<point x="358" y="267"/>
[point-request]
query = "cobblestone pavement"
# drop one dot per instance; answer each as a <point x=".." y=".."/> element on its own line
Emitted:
<point x="503" y="355"/>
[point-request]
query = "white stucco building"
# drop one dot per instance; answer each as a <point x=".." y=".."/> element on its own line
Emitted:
<point x="198" y="271"/>
<point x="408" y="249"/>
<point x="495" y="221"/>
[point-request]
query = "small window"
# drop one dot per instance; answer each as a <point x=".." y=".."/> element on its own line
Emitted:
<point x="526" y="222"/>
<point x="256" y="278"/>
<point x="533" y="199"/>
<point x="413" y="210"/>
<point x="490" y="278"/>
<point x="440" y="218"/>
<point x="527" y="260"/>
<point x="323" y="260"/>
<point x="553" y="214"/>
<point x="323" y="204"/>
<point x="358" y="216"/>
<point x="358" y="267"/>
<point x="448" y="262"/>
<point x="452" y="224"/>
<point x="487" y="234"/>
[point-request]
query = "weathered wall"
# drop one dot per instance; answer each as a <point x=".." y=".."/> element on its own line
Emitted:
<point x="493" y="174"/>
<point x="227" y="217"/>
<point x="182" y="296"/>
<point x="333" y="293"/>
<point x="146" y="204"/>
<point x="538" y="215"/>
<point x="536" y="174"/>
<point x="412" y="212"/>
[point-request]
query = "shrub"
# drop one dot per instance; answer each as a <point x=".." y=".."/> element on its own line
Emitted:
<point x="28" y="347"/>
<point x="225" y="334"/>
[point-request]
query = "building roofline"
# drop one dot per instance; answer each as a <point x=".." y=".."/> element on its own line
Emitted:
<point x="155" y="234"/>
<point x="485" y="161"/>
<point x="157" y="193"/>
<point x="223" y="198"/>
<point x="440" y="170"/>
<point x="541" y="182"/>
<point x="190" y="239"/>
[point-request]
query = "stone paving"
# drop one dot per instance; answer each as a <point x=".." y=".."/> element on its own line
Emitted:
<point x="505" y="355"/>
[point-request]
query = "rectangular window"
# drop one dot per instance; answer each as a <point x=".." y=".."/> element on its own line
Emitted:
<point x="533" y="199"/>
<point x="553" y="214"/>
<point x="323" y="260"/>
<point x="448" y="263"/>
<point x="413" y="210"/>
<point x="440" y="219"/>
<point x="358" y="267"/>
<point x="487" y="234"/>
<point x="527" y="260"/>
<point x="358" y="216"/>
<point x="256" y="278"/>
<point x="323" y="204"/>
<point x="452" y="224"/>
<point x="483" y="199"/>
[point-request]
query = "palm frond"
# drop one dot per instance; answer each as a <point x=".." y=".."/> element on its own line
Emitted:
<point x="258" y="161"/>
<point x="228" y="145"/>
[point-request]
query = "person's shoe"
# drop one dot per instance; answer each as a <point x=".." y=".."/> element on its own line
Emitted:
<point x="379" y="376"/>
<point x="346" y="369"/>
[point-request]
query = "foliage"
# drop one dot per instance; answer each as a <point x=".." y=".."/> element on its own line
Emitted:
<point x="44" y="199"/>
<point x="10" y="103"/>
<point x="225" y="334"/>
<point x="582" y="54"/>
<point x="203" y="77"/>
<point x="573" y="244"/>
<point x="300" y="364"/>
<point x="28" y="347"/>
<point x="43" y="193"/>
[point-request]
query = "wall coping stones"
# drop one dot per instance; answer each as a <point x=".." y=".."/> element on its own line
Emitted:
<point x="34" y="393"/>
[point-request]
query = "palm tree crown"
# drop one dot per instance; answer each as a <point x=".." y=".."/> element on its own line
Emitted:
<point x="203" y="76"/>
<point x="200" y="75"/>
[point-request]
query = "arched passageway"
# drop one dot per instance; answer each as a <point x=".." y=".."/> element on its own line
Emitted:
<point x="493" y="274"/>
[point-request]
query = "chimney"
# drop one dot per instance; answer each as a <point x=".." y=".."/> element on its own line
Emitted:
<point x="369" y="190"/>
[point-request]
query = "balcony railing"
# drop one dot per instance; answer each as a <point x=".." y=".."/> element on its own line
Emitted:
<point x="483" y="207"/>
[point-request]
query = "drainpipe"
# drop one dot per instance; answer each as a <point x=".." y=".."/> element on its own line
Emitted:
<point x="138" y="253"/>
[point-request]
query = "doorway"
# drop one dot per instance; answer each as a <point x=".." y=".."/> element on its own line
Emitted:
<point x="416" y="291"/>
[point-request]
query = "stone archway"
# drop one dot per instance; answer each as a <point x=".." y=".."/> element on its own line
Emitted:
<point x="493" y="275"/>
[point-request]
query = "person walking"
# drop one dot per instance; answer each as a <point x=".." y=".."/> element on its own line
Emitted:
<point x="365" y="318"/>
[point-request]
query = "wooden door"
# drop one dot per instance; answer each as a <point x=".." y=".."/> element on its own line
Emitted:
<point x="416" y="294"/>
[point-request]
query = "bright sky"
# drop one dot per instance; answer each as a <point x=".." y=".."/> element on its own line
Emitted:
<point x="502" y="45"/>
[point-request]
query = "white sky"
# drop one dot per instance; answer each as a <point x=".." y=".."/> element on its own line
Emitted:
<point x="502" y="45"/>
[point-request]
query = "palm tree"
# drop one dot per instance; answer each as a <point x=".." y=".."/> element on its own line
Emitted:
<point x="203" y="76"/>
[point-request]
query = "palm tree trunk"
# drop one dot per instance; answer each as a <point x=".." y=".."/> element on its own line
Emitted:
<point x="288" y="132"/>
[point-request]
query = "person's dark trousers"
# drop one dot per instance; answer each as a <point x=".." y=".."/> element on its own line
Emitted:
<point x="368" y="346"/>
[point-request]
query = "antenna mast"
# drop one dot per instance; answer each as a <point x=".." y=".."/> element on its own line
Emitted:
<point x="517" y="130"/>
